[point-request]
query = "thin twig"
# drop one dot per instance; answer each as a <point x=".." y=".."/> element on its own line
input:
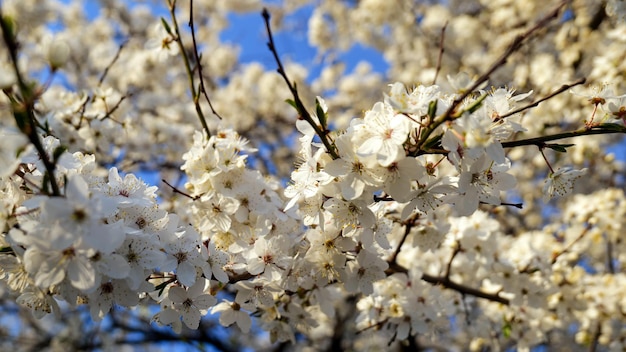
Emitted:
<point x="468" y="321"/>
<point x="464" y="289"/>
<point x="408" y="225"/>
<point x="115" y="58"/>
<point x="456" y="251"/>
<point x="609" y="256"/>
<point x="593" y="344"/>
<point x="192" y="86"/>
<point x="571" y="244"/>
<point x="444" y="280"/>
<point x="304" y="114"/>
<point x="515" y="45"/>
<point x="114" y="108"/>
<point x="21" y="174"/>
<point x="552" y="95"/>
<point x="441" y="50"/>
<point x="516" y="205"/>
<point x="198" y="63"/>
<point x="383" y="199"/>
<point x="176" y="190"/>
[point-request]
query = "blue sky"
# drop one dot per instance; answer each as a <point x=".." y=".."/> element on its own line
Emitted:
<point x="248" y="31"/>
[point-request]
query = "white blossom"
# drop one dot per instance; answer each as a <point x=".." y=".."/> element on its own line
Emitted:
<point x="560" y="182"/>
<point x="191" y="303"/>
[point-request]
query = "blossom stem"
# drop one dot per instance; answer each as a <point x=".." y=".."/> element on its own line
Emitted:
<point x="546" y="159"/>
<point x="589" y="123"/>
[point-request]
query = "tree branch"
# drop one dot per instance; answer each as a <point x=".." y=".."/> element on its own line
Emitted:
<point x="603" y="128"/>
<point x="448" y="283"/>
<point x="520" y="39"/>
<point x="24" y="110"/>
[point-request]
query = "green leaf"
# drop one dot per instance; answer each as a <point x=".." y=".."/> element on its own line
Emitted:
<point x="507" y="329"/>
<point x="22" y="120"/>
<point x="6" y="250"/>
<point x="58" y="151"/>
<point x="292" y="103"/>
<point x="432" y="109"/>
<point x="561" y="148"/>
<point x="167" y="26"/>
<point x="321" y="115"/>
<point x="433" y="142"/>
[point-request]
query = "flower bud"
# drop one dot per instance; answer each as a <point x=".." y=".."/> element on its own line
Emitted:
<point x="58" y="54"/>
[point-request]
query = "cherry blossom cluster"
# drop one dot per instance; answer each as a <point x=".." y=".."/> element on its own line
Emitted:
<point x="377" y="158"/>
<point x="106" y="242"/>
<point x="97" y="243"/>
<point x="400" y="220"/>
<point x="352" y="202"/>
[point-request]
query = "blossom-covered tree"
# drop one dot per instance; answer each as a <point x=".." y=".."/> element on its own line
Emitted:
<point x="469" y="198"/>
